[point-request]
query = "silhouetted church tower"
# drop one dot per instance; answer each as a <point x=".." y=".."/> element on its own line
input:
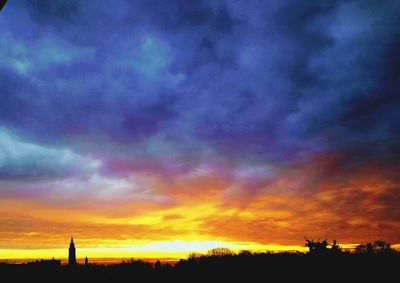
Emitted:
<point x="71" y="254"/>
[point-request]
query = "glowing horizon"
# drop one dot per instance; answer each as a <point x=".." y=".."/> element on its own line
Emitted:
<point x="162" y="250"/>
<point x="173" y="250"/>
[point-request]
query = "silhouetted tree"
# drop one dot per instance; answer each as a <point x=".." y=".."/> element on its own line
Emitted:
<point x="335" y="248"/>
<point x="194" y="256"/>
<point x="157" y="265"/>
<point x="361" y="249"/>
<point x="377" y="247"/>
<point x="245" y="253"/>
<point x="220" y="252"/>
<point x="317" y="247"/>
<point x="382" y="247"/>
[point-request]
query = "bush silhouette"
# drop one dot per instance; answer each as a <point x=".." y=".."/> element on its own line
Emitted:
<point x="377" y="247"/>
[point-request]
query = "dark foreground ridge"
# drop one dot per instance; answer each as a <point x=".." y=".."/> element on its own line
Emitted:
<point x="324" y="262"/>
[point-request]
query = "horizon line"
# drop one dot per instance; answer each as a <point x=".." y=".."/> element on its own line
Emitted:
<point x="98" y="253"/>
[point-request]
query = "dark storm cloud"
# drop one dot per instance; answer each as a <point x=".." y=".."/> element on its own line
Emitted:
<point x="355" y="95"/>
<point x="259" y="81"/>
<point x="54" y="12"/>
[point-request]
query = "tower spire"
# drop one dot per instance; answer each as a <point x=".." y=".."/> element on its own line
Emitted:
<point x="72" y="253"/>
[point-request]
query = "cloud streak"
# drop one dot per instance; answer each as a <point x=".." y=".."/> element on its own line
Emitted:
<point x="23" y="161"/>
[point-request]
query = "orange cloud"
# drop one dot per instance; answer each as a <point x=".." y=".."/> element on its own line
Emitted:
<point x="355" y="206"/>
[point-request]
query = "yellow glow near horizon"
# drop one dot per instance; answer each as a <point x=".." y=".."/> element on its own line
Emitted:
<point x="162" y="249"/>
<point x="153" y="250"/>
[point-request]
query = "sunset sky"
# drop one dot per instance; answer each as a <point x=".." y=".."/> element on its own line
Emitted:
<point x="158" y="128"/>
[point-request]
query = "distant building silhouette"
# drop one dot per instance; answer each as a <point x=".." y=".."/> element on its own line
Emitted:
<point x="71" y="253"/>
<point x="46" y="263"/>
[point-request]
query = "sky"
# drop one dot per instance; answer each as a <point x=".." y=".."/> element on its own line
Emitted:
<point x="157" y="128"/>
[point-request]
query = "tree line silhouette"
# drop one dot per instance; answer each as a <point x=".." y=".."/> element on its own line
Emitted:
<point x="324" y="260"/>
<point x="324" y="248"/>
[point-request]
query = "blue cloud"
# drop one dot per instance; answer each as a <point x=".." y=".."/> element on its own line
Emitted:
<point x="252" y="81"/>
<point x="21" y="161"/>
